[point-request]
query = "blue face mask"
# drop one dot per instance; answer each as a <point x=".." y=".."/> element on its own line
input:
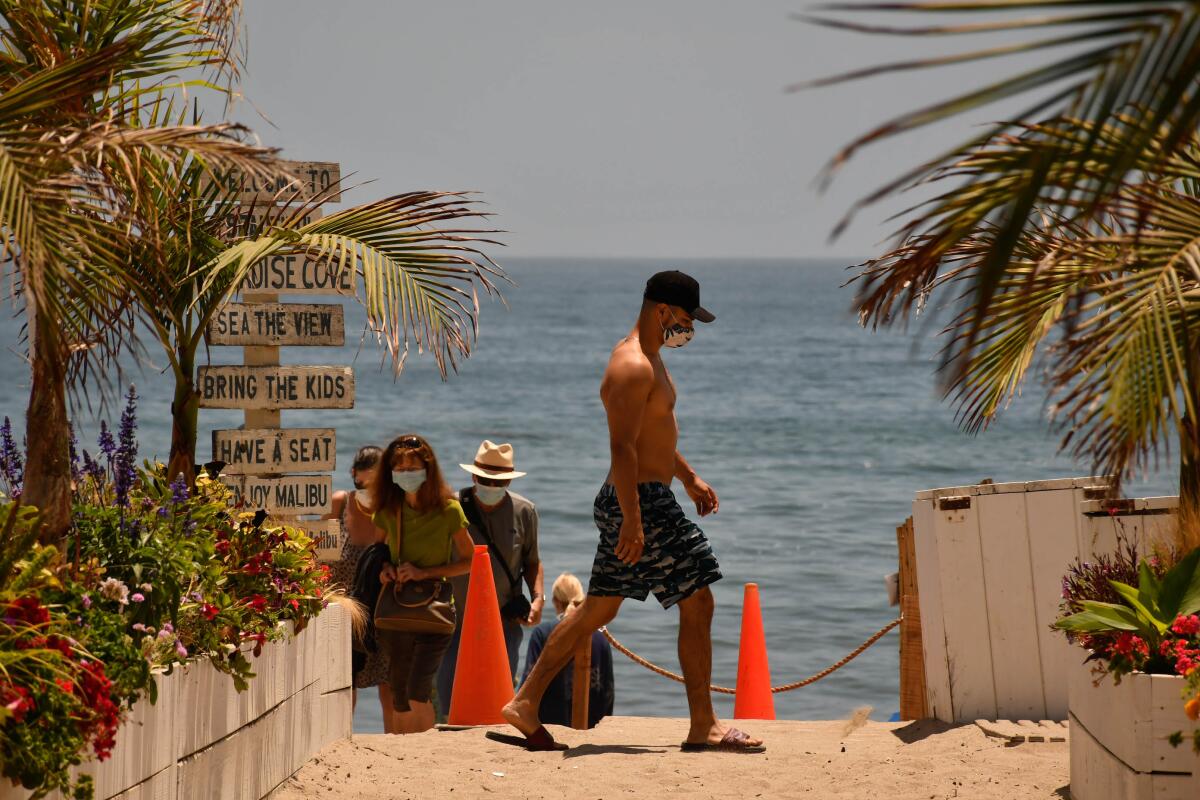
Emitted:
<point x="410" y="480"/>
<point x="490" y="495"/>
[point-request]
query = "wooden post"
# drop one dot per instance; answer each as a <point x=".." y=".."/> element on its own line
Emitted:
<point x="582" y="683"/>
<point x="913" y="703"/>
<point x="262" y="458"/>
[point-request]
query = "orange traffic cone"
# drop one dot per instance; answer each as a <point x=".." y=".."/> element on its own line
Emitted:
<point x="753" y="699"/>
<point x="483" y="683"/>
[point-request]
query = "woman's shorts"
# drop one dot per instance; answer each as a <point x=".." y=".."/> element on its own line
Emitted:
<point x="677" y="560"/>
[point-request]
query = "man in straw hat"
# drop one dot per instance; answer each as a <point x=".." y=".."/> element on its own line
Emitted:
<point x="647" y="544"/>
<point x="508" y="524"/>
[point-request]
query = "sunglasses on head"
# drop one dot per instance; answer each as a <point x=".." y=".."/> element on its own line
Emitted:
<point x="410" y="443"/>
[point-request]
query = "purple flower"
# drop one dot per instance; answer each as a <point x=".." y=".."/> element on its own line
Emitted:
<point x="162" y="511"/>
<point x="92" y="468"/>
<point x="180" y="650"/>
<point x="12" y="468"/>
<point x="137" y="597"/>
<point x="76" y="473"/>
<point x="125" y="457"/>
<point x="87" y="600"/>
<point x="179" y="490"/>
<point x="105" y="441"/>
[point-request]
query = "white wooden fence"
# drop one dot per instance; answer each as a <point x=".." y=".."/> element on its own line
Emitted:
<point x="203" y="739"/>
<point x="990" y="562"/>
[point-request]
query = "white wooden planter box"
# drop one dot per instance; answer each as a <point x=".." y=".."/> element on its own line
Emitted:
<point x="1119" y="746"/>
<point x="204" y="739"/>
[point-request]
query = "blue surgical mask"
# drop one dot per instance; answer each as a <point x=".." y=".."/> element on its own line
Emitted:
<point x="490" y="495"/>
<point x="410" y="480"/>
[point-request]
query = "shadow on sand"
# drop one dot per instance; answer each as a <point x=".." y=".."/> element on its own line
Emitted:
<point x="580" y="750"/>
<point x="919" y="729"/>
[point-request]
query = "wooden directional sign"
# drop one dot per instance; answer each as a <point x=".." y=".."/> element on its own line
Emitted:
<point x="309" y="178"/>
<point x="249" y="221"/>
<point x="274" y="324"/>
<point x="296" y="273"/>
<point x="327" y="535"/>
<point x="273" y="451"/>
<point x="276" y="387"/>
<point x="296" y="494"/>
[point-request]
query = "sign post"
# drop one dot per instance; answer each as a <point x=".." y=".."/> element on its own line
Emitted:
<point x="283" y="471"/>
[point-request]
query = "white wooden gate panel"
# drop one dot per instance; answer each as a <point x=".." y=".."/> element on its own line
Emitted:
<point x="933" y="631"/>
<point x="965" y="609"/>
<point x="1008" y="579"/>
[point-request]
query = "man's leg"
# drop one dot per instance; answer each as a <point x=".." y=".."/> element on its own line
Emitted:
<point x="514" y="634"/>
<point x="522" y="712"/>
<point x="695" y="656"/>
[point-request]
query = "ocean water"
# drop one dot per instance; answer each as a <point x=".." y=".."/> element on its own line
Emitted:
<point x="814" y="432"/>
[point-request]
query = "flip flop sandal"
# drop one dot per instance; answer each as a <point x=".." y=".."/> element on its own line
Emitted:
<point x="734" y="741"/>
<point x="537" y="742"/>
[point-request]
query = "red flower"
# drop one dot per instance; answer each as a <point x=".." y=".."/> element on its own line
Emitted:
<point x="1131" y="646"/>
<point x="29" y="611"/>
<point x="1186" y="626"/>
<point x="16" y="699"/>
<point x="209" y="611"/>
<point x="258" y="602"/>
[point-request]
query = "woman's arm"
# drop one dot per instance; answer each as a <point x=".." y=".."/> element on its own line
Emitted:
<point x="339" y="503"/>
<point x="466" y="549"/>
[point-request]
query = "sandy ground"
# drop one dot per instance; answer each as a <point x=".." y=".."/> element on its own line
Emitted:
<point x="640" y="757"/>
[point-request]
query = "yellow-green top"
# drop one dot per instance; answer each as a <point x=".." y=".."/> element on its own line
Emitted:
<point x="428" y="537"/>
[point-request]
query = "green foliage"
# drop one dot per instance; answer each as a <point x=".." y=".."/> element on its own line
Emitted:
<point x="1149" y="609"/>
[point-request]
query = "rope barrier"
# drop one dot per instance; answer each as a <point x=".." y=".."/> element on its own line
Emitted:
<point x="787" y="687"/>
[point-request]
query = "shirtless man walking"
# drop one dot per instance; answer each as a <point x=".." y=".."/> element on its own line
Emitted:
<point x="646" y="542"/>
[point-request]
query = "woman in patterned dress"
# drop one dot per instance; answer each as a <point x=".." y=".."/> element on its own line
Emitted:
<point x="355" y="509"/>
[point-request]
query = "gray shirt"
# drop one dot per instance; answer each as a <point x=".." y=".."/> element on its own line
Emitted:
<point x="513" y="526"/>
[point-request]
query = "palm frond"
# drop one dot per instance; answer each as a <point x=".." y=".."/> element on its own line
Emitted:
<point x="1127" y="73"/>
<point x="420" y="277"/>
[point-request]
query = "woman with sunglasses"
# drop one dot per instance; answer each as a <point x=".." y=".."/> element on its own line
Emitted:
<point x="431" y="541"/>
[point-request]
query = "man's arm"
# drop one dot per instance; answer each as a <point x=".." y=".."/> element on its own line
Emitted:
<point x="625" y="391"/>
<point x="701" y="493"/>
<point x="683" y="471"/>
<point x="534" y="575"/>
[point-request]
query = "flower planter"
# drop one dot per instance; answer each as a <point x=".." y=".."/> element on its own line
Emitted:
<point x="1119" y="746"/>
<point x="204" y="739"/>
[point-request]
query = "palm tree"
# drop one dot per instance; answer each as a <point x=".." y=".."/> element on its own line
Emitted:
<point x="1068" y="231"/>
<point x="71" y="75"/>
<point x="418" y="275"/>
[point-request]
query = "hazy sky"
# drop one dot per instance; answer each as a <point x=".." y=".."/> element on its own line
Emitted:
<point x="623" y="128"/>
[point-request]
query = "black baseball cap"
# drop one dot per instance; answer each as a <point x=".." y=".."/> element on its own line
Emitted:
<point x="677" y="289"/>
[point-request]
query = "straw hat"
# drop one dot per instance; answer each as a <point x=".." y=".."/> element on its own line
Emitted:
<point x="493" y="461"/>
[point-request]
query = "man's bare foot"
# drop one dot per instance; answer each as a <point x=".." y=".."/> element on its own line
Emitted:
<point x="522" y="715"/>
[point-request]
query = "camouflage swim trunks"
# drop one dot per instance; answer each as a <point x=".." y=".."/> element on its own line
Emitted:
<point x="676" y="562"/>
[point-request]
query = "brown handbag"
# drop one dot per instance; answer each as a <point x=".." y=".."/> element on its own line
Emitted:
<point x="415" y="606"/>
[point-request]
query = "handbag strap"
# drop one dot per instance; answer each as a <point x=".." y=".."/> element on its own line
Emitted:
<point x="466" y="498"/>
